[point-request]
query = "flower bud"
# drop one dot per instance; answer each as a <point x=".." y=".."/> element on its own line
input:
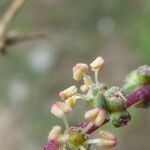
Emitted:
<point x="101" y="117"/>
<point x="97" y="115"/>
<point x="106" y="143"/>
<point x="71" y="101"/>
<point x="59" y="109"/>
<point x="88" y="81"/>
<point x="68" y="92"/>
<point x="79" y="70"/>
<point x="98" y="63"/>
<point x="91" y="114"/>
<point x="107" y="135"/>
<point x="84" y="88"/>
<point x="54" y="133"/>
<point x="56" y="139"/>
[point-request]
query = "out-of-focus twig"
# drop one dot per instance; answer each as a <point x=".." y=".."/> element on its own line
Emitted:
<point x="8" y="38"/>
<point x="15" y="37"/>
<point x="6" y="19"/>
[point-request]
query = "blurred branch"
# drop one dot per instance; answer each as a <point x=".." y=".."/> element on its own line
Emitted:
<point x="6" y="19"/>
<point x="9" y="38"/>
<point x="15" y="37"/>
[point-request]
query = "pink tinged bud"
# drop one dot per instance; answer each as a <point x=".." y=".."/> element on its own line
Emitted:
<point x="68" y="92"/>
<point x="59" y="109"/>
<point x="56" y="139"/>
<point x="98" y="63"/>
<point x="104" y="143"/>
<point x="107" y="135"/>
<point x="54" y="133"/>
<point x="83" y="67"/>
<point x="97" y="115"/>
<point x="79" y="70"/>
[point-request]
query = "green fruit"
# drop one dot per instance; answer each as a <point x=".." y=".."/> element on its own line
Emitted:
<point x="115" y="100"/>
<point x="120" y="119"/>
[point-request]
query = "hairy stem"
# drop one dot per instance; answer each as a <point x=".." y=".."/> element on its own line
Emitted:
<point x="142" y="93"/>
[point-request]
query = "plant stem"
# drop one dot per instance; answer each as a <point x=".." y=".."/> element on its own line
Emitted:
<point x="96" y="76"/>
<point x="142" y="93"/>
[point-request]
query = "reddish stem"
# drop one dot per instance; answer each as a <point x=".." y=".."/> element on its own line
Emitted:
<point x="142" y="93"/>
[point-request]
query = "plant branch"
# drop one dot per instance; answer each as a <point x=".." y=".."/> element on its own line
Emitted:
<point x="6" y="19"/>
<point x="15" y="37"/>
<point x="142" y="93"/>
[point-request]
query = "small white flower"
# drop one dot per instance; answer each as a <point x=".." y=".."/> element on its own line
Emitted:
<point x="54" y="133"/>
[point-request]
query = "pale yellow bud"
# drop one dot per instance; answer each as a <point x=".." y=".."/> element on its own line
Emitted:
<point x="59" y="109"/>
<point x="91" y="114"/>
<point x="97" y="115"/>
<point x="68" y="92"/>
<point x="100" y="119"/>
<point x="71" y="101"/>
<point x="83" y="67"/>
<point x="98" y="63"/>
<point x="84" y="88"/>
<point x="88" y="81"/>
<point x="54" y="133"/>
<point x="79" y="70"/>
<point x="107" y="135"/>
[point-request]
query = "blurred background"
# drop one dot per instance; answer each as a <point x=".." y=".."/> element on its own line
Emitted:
<point x="32" y="73"/>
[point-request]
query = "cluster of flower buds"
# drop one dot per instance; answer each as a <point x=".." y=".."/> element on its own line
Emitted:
<point x="107" y="104"/>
